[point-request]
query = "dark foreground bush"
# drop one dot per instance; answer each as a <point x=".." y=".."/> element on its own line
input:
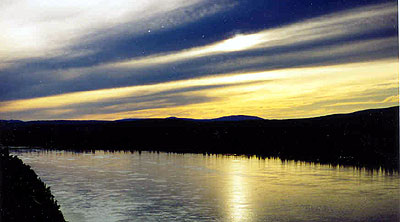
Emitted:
<point x="24" y="197"/>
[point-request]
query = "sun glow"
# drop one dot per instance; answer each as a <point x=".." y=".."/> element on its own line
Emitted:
<point x="239" y="42"/>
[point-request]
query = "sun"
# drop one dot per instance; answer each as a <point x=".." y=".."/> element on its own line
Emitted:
<point x="239" y="42"/>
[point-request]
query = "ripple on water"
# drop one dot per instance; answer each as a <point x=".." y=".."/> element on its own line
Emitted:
<point x="123" y="186"/>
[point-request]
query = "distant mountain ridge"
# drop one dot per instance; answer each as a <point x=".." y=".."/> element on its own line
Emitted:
<point x="223" y="118"/>
<point x="369" y="137"/>
<point x="237" y="118"/>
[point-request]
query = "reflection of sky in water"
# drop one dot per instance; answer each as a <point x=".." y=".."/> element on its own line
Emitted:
<point x="163" y="187"/>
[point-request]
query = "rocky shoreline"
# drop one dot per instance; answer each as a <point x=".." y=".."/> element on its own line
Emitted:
<point x="23" y="196"/>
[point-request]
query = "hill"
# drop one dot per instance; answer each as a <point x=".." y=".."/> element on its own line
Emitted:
<point x="364" y="138"/>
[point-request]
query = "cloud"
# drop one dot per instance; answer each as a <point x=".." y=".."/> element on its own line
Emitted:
<point x="92" y="78"/>
<point x="351" y="22"/>
<point x="249" y="93"/>
<point x="123" y="92"/>
<point x="40" y="28"/>
<point x="340" y="37"/>
<point x="89" y="64"/>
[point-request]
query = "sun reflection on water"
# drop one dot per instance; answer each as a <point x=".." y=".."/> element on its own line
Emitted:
<point x="237" y="203"/>
<point x="123" y="186"/>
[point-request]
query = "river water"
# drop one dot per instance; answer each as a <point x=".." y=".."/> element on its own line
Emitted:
<point x="124" y="186"/>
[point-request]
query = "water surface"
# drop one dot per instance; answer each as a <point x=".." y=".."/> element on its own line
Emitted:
<point x="124" y="186"/>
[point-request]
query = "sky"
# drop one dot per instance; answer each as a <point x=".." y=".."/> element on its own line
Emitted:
<point x="108" y="60"/>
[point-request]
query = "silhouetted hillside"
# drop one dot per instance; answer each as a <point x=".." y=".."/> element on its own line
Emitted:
<point x="23" y="196"/>
<point x="237" y="118"/>
<point x="362" y="138"/>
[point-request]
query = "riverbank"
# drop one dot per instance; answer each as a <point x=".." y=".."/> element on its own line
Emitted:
<point x="23" y="196"/>
<point x="367" y="138"/>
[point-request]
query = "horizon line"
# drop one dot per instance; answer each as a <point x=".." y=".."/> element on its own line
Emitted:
<point x="205" y="119"/>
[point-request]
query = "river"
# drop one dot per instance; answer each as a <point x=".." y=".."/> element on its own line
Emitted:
<point x="125" y="186"/>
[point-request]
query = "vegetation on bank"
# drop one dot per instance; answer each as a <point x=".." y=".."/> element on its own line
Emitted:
<point x="366" y="138"/>
<point x="23" y="196"/>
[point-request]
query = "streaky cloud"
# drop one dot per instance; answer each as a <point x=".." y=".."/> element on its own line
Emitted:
<point x="270" y="90"/>
<point x="340" y="37"/>
<point x="125" y="63"/>
<point x="351" y="22"/>
<point x="45" y="29"/>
